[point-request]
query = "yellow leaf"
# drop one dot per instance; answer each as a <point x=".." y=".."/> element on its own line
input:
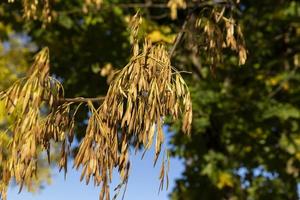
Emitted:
<point x="297" y="155"/>
<point x="157" y="36"/>
<point x="225" y="180"/>
<point x="286" y="86"/>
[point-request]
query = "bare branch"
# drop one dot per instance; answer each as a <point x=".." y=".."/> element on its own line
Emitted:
<point x="164" y="5"/>
<point x="281" y="85"/>
<point x="151" y="5"/>
<point x="178" y="38"/>
<point x="81" y="99"/>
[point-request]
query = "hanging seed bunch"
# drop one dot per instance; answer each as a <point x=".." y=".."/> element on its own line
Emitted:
<point x="233" y="39"/>
<point x="91" y="4"/>
<point x="141" y="95"/>
<point x="139" y="98"/>
<point x="59" y="126"/>
<point x="174" y="5"/>
<point x="99" y="153"/>
<point x="212" y="31"/>
<point x="26" y="101"/>
<point x="34" y="9"/>
<point x="4" y="156"/>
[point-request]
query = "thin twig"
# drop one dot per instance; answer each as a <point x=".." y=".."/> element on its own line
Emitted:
<point x="281" y="85"/>
<point x="81" y="100"/>
<point x="181" y="32"/>
<point x="150" y="5"/>
<point x="178" y="38"/>
<point x="165" y="5"/>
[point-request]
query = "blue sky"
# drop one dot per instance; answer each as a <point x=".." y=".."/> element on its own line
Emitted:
<point x="143" y="183"/>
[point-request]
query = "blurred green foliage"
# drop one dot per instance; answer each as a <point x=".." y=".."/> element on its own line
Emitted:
<point x="245" y="138"/>
<point x="245" y="142"/>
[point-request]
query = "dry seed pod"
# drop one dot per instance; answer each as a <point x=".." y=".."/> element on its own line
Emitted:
<point x="32" y="9"/>
<point x="140" y="96"/>
<point x="174" y="5"/>
<point x="214" y="30"/>
<point x="99" y="153"/>
<point x="5" y="175"/>
<point x="26" y="101"/>
<point x="88" y="4"/>
<point x="23" y="100"/>
<point x="134" y="26"/>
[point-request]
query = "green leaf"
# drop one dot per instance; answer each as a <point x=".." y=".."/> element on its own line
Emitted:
<point x="282" y="111"/>
<point x="65" y="21"/>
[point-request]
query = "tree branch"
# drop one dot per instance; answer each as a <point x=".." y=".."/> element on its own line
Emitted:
<point x="81" y="100"/>
<point x="181" y="32"/>
<point x="165" y="5"/>
<point x="281" y="85"/>
<point x="152" y="5"/>
<point x="178" y="38"/>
